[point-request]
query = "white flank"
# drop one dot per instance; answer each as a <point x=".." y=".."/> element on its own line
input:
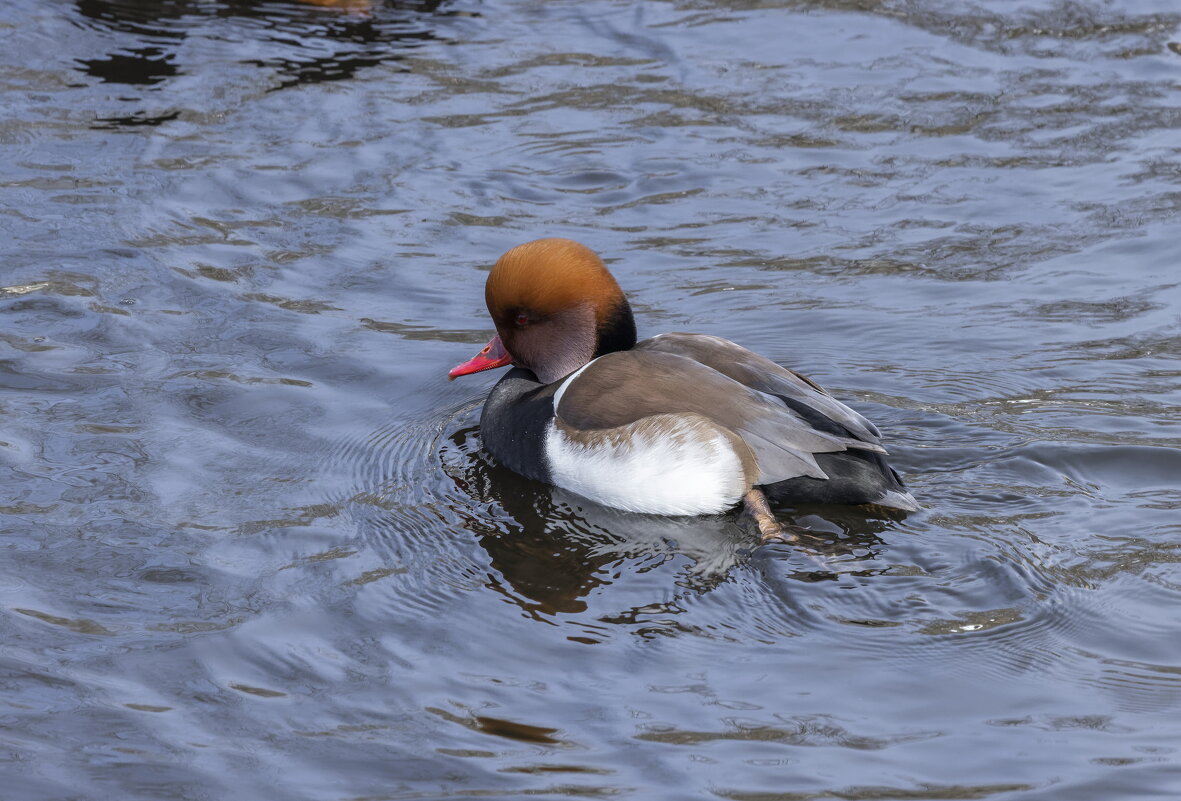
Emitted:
<point x="666" y="470"/>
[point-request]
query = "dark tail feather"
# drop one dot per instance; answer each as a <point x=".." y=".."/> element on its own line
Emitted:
<point x="854" y="477"/>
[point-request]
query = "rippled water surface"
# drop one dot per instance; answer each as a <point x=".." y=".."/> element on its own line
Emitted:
<point x="252" y="550"/>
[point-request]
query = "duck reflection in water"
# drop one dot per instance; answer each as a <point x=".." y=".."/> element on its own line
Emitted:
<point x="552" y="548"/>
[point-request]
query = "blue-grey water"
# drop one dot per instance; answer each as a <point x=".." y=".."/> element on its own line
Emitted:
<point x="250" y="548"/>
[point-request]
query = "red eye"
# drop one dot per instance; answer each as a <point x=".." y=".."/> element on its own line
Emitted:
<point x="522" y="319"/>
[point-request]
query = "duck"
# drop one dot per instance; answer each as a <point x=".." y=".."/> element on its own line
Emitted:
<point x="679" y="424"/>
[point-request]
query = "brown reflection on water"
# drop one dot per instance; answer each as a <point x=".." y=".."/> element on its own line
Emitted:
<point x="548" y="571"/>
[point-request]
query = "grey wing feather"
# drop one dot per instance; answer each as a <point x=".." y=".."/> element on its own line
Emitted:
<point x="764" y="375"/>
<point x="784" y="442"/>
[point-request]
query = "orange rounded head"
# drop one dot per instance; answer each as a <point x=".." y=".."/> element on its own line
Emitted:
<point x="555" y="307"/>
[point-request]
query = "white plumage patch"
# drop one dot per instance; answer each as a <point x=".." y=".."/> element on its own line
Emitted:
<point x="669" y="465"/>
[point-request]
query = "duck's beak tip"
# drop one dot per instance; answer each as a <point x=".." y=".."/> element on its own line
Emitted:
<point x="493" y="355"/>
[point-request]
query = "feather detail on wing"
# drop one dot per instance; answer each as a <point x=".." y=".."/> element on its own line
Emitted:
<point x="758" y="372"/>
<point x="622" y="388"/>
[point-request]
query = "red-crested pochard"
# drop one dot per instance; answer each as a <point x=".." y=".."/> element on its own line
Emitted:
<point x="679" y="424"/>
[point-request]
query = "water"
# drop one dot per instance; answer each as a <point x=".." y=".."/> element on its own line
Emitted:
<point x="252" y="550"/>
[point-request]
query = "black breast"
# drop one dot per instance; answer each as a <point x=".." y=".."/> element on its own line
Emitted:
<point x="513" y="425"/>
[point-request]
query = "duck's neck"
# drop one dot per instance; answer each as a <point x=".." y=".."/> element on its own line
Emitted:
<point x="617" y="329"/>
